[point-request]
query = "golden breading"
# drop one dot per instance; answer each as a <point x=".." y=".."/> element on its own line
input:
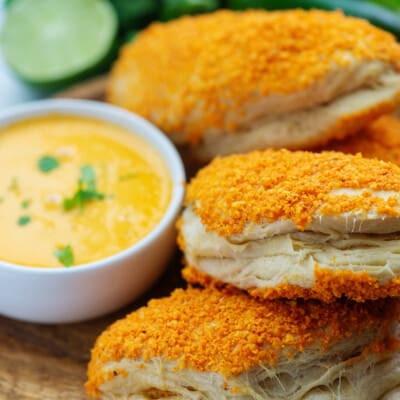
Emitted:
<point x="381" y="140"/>
<point x="230" y="334"/>
<point x="328" y="286"/>
<point x="265" y="186"/>
<point x="295" y="224"/>
<point x="200" y="78"/>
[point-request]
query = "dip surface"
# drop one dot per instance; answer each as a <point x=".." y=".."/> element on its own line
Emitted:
<point x="126" y="196"/>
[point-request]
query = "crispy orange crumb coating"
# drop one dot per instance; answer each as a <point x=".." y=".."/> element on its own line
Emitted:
<point x="350" y="124"/>
<point x="230" y="332"/>
<point x="209" y="66"/>
<point x="329" y="286"/>
<point x="381" y="140"/>
<point x="265" y="186"/>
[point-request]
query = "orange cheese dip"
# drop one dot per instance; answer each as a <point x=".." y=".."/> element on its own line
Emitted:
<point x="76" y="184"/>
<point x="231" y="332"/>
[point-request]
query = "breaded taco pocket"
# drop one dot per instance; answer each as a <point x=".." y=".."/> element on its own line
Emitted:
<point x="212" y="345"/>
<point x="295" y="224"/>
<point x="232" y="82"/>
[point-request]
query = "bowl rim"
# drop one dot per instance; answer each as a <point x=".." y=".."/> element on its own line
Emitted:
<point x="118" y="116"/>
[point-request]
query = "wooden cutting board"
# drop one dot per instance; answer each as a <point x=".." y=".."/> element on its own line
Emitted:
<point x="48" y="362"/>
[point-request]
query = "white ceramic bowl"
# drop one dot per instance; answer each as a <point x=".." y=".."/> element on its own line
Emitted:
<point x="60" y="295"/>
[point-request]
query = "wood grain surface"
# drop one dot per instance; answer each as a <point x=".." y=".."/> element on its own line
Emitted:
<point x="48" y="362"/>
<point x="93" y="89"/>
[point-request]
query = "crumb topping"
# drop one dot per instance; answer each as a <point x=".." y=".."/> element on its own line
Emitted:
<point x="265" y="186"/>
<point x="381" y="140"/>
<point x="209" y="66"/>
<point x="228" y="331"/>
<point x="328" y="287"/>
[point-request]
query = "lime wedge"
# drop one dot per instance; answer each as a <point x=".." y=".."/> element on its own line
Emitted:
<point x="48" y="42"/>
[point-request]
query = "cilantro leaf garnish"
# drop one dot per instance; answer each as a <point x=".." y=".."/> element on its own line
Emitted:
<point x="24" y="220"/>
<point x="88" y="177"/>
<point x="86" y="190"/>
<point x="48" y="163"/>
<point x="65" y="255"/>
<point x="26" y="203"/>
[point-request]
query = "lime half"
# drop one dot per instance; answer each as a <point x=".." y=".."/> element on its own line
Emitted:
<point x="48" y="42"/>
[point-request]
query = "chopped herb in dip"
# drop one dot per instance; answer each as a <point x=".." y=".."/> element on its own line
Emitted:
<point x="26" y="203"/>
<point x="48" y="163"/>
<point x="65" y="255"/>
<point x="86" y="190"/>
<point x="24" y="220"/>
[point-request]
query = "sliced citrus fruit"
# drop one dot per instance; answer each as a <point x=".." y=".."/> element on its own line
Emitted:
<point x="48" y="42"/>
